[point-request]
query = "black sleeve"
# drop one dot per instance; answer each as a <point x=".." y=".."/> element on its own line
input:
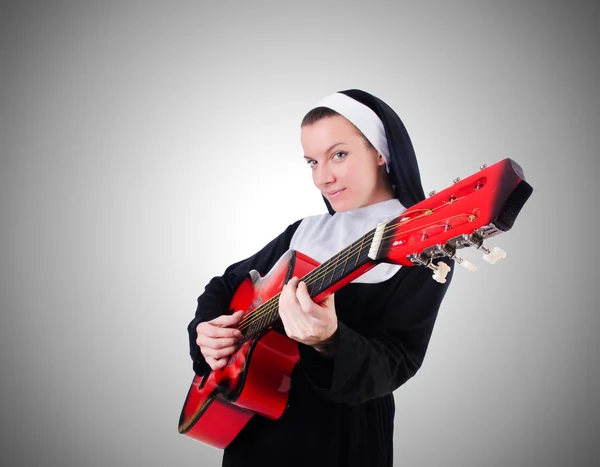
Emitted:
<point x="219" y="291"/>
<point x="362" y="368"/>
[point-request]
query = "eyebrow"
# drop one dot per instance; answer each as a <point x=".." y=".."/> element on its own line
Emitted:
<point x="327" y="150"/>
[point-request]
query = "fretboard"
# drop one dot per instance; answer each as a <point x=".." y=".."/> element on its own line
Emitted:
<point x="319" y="280"/>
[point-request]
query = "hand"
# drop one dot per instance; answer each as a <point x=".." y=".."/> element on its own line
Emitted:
<point x="305" y="321"/>
<point x="217" y="340"/>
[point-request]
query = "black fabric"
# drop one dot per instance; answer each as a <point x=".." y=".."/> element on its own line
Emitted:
<point x="404" y="169"/>
<point x="341" y="409"/>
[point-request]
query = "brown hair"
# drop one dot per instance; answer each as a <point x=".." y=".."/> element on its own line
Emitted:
<point x="319" y="113"/>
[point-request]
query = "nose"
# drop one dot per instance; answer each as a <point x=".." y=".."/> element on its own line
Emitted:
<point x="323" y="175"/>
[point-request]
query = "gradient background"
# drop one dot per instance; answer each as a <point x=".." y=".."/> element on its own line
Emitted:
<point x="145" y="147"/>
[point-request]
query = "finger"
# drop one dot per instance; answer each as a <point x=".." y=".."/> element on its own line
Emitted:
<point x="221" y="363"/>
<point x="215" y="331"/>
<point x="225" y="342"/>
<point x="217" y="353"/>
<point x="216" y="363"/>
<point x="228" y="320"/>
<point x="218" y="343"/>
<point x="286" y="314"/>
<point x="290" y="285"/>
<point x="306" y="303"/>
<point x="289" y="292"/>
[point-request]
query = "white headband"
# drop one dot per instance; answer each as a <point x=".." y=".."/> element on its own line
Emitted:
<point x="363" y="118"/>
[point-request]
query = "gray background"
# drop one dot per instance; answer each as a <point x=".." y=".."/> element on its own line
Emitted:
<point x="145" y="147"/>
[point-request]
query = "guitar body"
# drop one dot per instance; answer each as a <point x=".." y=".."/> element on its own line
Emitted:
<point x="257" y="377"/>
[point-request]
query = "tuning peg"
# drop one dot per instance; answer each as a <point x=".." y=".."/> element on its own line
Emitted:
<point x="494" y="255"/>
<point x="481" y="167"/>
<point x="441" y="271"/>
<point x="451" y="253"/>
<point x="465" y="264"/>
<point x="456" y="180"/>
<point x="431" y="193"/>
<point x="491" y="256"/>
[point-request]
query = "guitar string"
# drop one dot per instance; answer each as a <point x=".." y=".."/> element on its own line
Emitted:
<point x="272" y="303"/>
<point x="269" y="306"/>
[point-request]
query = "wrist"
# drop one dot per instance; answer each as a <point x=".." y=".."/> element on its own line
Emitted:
<point x="328" y="346"/>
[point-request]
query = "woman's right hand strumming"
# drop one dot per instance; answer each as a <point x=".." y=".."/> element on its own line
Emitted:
<point x="218" y="339"/>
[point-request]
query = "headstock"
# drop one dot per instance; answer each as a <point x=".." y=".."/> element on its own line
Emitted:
<point x="465" y="214"/>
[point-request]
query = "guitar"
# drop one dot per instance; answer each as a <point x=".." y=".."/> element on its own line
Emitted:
<point x="257" y="377"/>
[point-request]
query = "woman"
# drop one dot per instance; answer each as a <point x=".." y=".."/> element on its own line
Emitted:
<point x="361" y="343"/>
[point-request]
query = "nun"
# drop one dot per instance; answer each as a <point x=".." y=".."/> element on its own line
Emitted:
<point x="363" y="342"/>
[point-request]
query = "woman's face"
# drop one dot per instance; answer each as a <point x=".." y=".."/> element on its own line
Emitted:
<point x="345" y="168"/>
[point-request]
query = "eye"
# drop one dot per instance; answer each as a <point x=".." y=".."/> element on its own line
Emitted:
<point x="341" y="155"/>
<point x="311" y="163"/>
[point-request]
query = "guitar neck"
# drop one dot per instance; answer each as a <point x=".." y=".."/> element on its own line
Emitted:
<point x="340" y="269"/>
<point x="331" y="275"/>
<point x="462" y="215"/>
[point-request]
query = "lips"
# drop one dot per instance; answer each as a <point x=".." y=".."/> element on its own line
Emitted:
<point x="334" y="193"/>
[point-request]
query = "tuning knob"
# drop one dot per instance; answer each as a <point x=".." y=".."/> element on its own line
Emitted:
<point x="465" y="264"/>
<point x="456" y="180"/>
<point x="482" y="166"/>
<point x="431" y="193"/>
<point x="494" y="255"/>
<point x="441" y="271"/>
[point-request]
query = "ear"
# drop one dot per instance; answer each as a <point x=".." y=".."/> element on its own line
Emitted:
<point x="380" y="159"/>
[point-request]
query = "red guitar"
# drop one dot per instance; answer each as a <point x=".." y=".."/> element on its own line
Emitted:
<point x="256" y="379"/>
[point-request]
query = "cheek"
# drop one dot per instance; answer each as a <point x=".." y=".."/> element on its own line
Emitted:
<point x="355" y="178"/>
<point x="313" y="174"/>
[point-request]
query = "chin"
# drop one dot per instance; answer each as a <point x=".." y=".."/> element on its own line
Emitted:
<point x="342" y="206"/>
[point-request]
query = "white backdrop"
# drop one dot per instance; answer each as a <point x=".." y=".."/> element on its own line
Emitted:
<point x="144" y="147"/>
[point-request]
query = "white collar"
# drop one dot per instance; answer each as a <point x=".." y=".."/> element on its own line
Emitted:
<point x="391" y="207"/>
<point x="322" y="236"/>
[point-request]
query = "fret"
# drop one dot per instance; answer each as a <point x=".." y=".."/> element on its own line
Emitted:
<point x="346" y="260"/>
<point x="256" y="324"/>
<point x="337" y="258"/>
<point x="310" y="286"/>
<point x="337" y="267"/>
<point x="312" y="278"/>
<point x="337" y="273"/>
<point x="362" y="241"/>
<point x="261" y="318"/>
<point x="320" y="270"/>
<point x="267" y="316"/>
<point x="273" y="314"/>
<point x="250" y="331"/>
<point x="364" y="255"/>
